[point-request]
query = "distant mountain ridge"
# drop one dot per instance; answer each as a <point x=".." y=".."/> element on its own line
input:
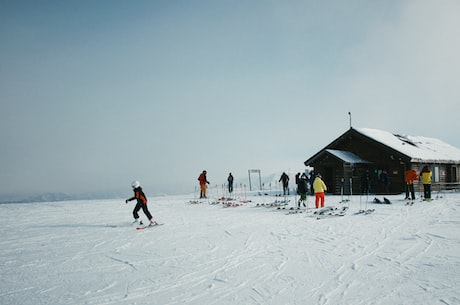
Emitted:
<point x="53" y="197"/>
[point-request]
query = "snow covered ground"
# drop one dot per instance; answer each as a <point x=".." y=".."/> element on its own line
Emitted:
<point x="87" y="252"/>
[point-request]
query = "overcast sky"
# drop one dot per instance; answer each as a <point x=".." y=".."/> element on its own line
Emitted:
<point x="95" y="94"/>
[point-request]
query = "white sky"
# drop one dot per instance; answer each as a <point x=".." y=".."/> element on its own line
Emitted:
<point x="95" y="94"/>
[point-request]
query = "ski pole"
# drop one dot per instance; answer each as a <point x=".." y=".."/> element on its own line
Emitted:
<point x="351" y="191"/>
<point x="341" y="191"/>
<point x="367" y="198"/>
<point x="306" y="203"/>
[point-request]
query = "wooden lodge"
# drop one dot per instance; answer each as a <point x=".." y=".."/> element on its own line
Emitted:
<point x="348" y="158"/>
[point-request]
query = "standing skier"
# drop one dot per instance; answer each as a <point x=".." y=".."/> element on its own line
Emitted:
<point x="230" y="183"/>
<point x="141" y="204"/>
<point x="385" y="178"/>
<point x="297" y="179"/>
<point x="319" y="187"/>
<point x="302" y="189"/>
<point x="310" y="181"/>
<point x="203" y="181"/>
<point x="285" y="179"/>
<point x="411" y="176"/>
<point x="365" y="183"/>
<point x="425" y="175"/>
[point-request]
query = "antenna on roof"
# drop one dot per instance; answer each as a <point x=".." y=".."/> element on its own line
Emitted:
<point x="349" y="114"/>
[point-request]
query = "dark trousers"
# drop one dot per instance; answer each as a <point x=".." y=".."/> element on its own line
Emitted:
<point x="410" y="189"/>
<point x="144" y="208"/>
<point x="427" y="191"/>
<point x="285" y="189"/>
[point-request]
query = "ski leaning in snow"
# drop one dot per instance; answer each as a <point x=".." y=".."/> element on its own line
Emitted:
<point x="149" y="226"/>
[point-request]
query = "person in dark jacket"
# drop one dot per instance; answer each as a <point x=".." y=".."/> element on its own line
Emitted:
<point x="385" y="178"/>
<point x="297" y="179"/>
<point x="302" y="188"/>
<point x="141" y="204"/>
<point x="285" y="180"/>
<point x="230" y="183"/>
<point x="311" y="179"/>
<point x="365" y="183"/>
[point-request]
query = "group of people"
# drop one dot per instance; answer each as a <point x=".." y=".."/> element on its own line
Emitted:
<point x="317" y="186"/>
<point x="141" y="199"/>
<point x="425" y="177"/>
<point x="410" y="177"/>
<point x="384" y="178"/>
<point x="203" y="180"/>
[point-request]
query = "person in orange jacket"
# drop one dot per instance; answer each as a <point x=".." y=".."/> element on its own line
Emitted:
<point x="203" y="181"/>
<point x="319" y="187"/>
<point x="141" y="203"/>
<point x="411" y="176"/>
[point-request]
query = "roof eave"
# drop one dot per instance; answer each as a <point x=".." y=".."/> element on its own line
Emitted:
<point x="433" y="161"/>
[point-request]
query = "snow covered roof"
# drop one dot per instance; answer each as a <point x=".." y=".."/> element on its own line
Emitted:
<point x="346" y="156"/>
<point x="419" y="149"/>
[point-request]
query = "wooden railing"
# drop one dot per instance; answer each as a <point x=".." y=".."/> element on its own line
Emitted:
<point x="445" y="186"/>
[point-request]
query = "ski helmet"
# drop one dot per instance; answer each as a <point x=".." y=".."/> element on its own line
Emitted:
<point x="135" y="184"/>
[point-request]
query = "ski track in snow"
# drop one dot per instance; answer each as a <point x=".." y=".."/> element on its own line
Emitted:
<point x="63" y="254"/>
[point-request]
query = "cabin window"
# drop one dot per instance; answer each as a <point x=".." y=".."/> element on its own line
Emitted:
<point x="436" y="174"/>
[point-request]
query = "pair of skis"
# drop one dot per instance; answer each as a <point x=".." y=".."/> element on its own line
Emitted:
<point x="297" y="211"/>
<point x="410" y="202"/>
<point x="149" y="226"/>
<point x="331" y="212"/>
<point x="365" y="212"/>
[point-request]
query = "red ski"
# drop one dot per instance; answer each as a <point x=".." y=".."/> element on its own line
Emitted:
<point x="149" y="226"/>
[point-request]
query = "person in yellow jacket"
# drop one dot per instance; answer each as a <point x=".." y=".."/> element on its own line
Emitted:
<point x="319" y="187"/>
<point x="425" y="175"/>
